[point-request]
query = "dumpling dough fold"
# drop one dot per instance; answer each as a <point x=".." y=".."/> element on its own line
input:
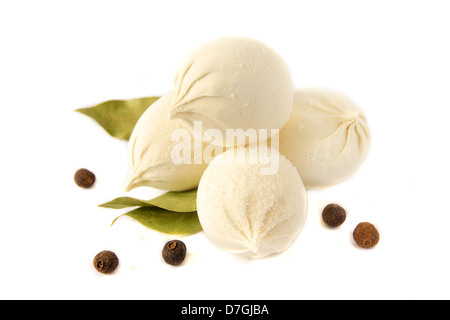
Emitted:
<point x="150" y="152"/>
<point x="232" y="83"/>
<point x="249" y="213"/>
<point x="327" y="137"/>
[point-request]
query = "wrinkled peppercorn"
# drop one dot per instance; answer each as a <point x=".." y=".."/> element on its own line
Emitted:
<point x="333" y="215"/>
<point x="174" y="252"/>
<point x="84" y="178"/>
<point x="366" y="235"/>
<point x="106" y="262"/>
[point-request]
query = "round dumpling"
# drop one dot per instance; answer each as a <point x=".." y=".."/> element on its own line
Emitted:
<point x="232" y="83"/>
<point x="326" y="138"/>
<point x="151" y="152"/>
<point x="246" y="211"/>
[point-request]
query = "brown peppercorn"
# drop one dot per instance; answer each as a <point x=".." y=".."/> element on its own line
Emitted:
<point x="106" y="262"/>
<point x="366" y="235"/>
<point x="334" y="215"/>
<point x="84" y="178"/>
<point x="174" y="252"/>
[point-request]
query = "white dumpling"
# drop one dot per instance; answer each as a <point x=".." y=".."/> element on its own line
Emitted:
<point x="246" y="212"/>
<point x="327" y="137"/>
<point x="150" y="152"/>
<point x="232" y="83"/>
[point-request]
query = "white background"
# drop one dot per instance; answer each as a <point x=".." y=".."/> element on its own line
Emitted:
<point x="390" y="57"/>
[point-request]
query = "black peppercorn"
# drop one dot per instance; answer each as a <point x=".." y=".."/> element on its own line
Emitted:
<point x="174" y="252"/>
<point x="84" y="178"/>
<point x="334" y="215"/>
<point x="106" y="262"/>
<point x="366" y="235"/>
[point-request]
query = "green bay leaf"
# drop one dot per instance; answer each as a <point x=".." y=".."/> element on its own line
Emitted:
<point x="176" y="223"/>
<point x="184" y="201"/>
<point x="118" y="117"/>
<point x="125" y="202"/>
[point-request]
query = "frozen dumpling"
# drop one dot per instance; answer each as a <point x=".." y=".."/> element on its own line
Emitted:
<point x="232" y="83"/>
<point x="245" y="211"/>
<point x="326" y="138"/>
<point x="153" y="152"/>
